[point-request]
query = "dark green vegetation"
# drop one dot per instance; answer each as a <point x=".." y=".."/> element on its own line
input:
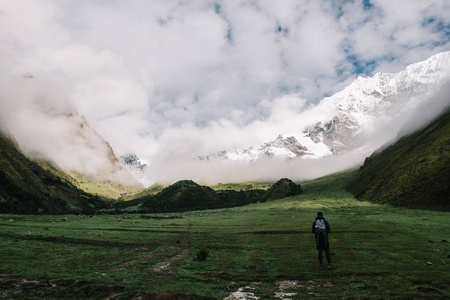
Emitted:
<point x="414" y="172"/>
<point x="379" y="251"/>
<point x="187" y="195"/>
<point x="181" y="196"/>
<point x="25" y="187"/>
<point x="281" y="189"/>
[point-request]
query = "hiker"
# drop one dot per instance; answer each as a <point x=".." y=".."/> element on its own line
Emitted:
<point x="321" y="228"/>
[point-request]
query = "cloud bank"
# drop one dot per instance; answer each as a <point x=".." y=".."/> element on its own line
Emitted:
<point x="175" y="79"/>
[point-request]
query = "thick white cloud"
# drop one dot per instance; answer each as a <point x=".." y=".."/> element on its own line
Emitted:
<point x="164" y="78"/>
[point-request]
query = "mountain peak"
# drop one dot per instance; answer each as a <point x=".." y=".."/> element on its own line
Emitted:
<point x="357" y="112"/>
<point x="137" y="168"/>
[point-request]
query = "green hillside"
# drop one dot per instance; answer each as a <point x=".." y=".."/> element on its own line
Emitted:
<point x="414" y="172"/>
<point x="181" y="196"/>
<point x="91" y="184"/>
<point x="186" y="195"/>
<point x="147" y="192"/>
<point x="281" y="189"/>
<point x="242" y="186"/>
<point x="25" y="187"/>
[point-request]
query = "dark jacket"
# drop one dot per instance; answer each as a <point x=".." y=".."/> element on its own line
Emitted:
<point x="326" y="224"/>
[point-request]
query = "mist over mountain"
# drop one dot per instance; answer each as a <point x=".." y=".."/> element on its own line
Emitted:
<point x="137" y="168"/>
<point x="366" y="114"/>
<point x="334" y="135"/>
<point x="37" y="112"/>
<point x="25" y="187"/>
<point x="413" y="172"/>
<point x="168" y="81"/>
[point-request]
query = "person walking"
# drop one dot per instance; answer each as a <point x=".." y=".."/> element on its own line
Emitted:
<point x="321" y="229"/>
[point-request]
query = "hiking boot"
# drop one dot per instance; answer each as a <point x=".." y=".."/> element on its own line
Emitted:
<point x="330" y="266"/>
<point x="320" y="267"/>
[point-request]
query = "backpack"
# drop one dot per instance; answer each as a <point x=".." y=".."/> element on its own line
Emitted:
<point x="321" y="228"/>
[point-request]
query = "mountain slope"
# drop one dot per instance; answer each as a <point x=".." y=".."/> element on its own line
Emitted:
<point x="137" y="168"/>
<point x="49" y="130"/>
<point x="414" y="172"/>
<point x="96" y="170"/>
<point x="27" y="188"/>
<point x="350" y="118"/>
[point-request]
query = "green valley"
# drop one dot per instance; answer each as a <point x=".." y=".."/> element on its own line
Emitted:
<point x="390" y="233"/>
<point x="264" y="250"/>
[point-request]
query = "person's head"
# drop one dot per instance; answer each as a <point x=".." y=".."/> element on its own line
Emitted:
<point x="320" y="214"/>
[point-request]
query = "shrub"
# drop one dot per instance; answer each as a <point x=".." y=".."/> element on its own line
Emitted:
<point x="202" y="254"/>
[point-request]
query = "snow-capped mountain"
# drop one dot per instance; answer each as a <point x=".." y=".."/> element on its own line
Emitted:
<point x="286" y="147"/>
<point x="355" y="113"/>
<point x="137" y="168"/>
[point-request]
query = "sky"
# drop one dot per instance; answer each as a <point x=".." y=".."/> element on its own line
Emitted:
<point x="165" y="79"/>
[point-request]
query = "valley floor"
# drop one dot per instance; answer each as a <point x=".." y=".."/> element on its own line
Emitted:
<point x="259" y="251"/>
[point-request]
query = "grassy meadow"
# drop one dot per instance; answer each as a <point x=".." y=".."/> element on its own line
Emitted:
<point x="263" y="250"/>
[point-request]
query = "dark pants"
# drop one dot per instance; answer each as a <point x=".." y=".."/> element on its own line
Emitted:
<point x="322" y="244"/>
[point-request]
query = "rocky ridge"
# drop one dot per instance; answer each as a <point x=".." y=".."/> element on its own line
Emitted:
<point x="355" y="113"/>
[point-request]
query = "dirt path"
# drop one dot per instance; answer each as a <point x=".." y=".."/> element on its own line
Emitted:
<point x="164" y="265"/>
<point x="161" y="266"/>
<point x="134" y="261"/>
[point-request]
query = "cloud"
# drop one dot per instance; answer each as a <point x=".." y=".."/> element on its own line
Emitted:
<point x="269" y="169"/>
<point x="37" y="112"/>
<point x="418" y="114"/>
<point x="166" y="78"/>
